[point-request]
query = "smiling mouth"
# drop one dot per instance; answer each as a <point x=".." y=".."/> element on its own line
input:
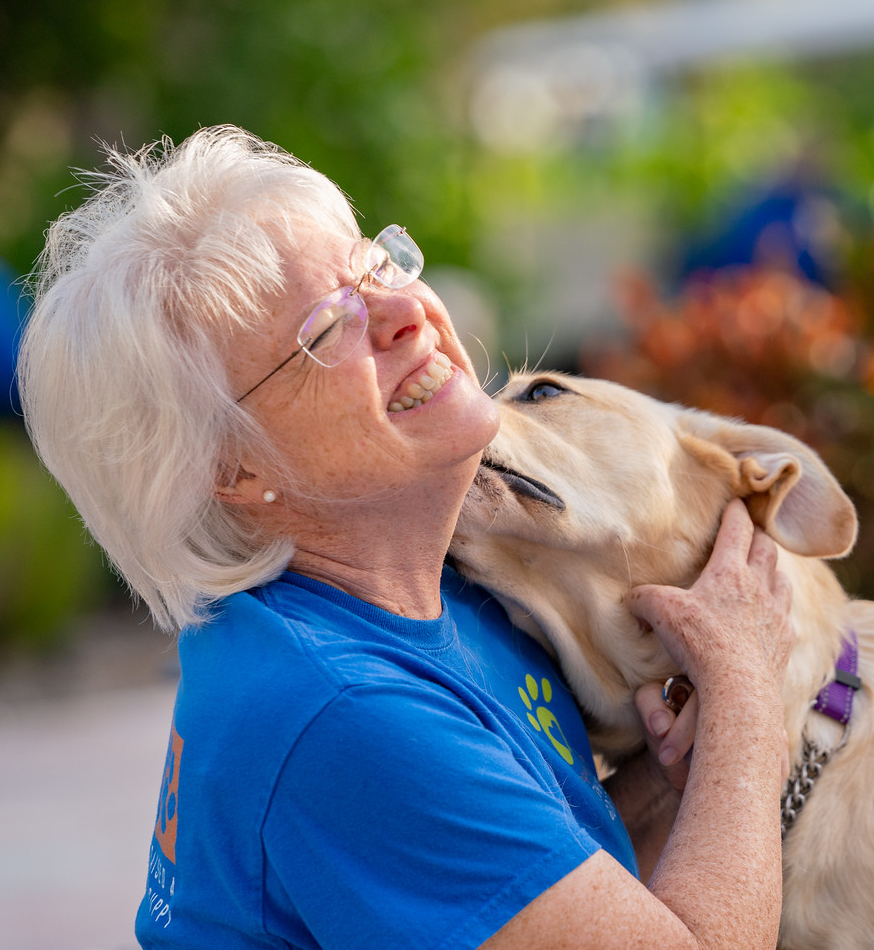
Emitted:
<point x="524" y="485"/>
<point x="424" y="386"/>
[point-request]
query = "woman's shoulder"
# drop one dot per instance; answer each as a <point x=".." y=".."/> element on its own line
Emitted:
<point x="292" y="644"/>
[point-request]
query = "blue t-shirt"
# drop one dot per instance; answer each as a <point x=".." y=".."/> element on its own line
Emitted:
<point x="339" y="776"/>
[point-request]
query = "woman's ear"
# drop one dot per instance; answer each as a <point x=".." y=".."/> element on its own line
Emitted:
<point x="237" y="486"/>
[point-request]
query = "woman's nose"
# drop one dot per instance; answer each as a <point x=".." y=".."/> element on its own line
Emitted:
<point x="393" y="315"/>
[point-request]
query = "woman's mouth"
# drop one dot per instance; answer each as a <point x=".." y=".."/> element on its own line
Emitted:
<point x="422" y="386"/>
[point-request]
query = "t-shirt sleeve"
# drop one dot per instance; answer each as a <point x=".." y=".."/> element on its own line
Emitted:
<point x="401" y="820"/>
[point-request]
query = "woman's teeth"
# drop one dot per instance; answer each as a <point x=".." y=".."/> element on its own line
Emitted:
<point x="426" y="385"/>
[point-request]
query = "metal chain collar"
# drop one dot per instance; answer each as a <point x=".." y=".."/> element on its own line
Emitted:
<point x="801" y="781"/>
<point x="835" y="700"/>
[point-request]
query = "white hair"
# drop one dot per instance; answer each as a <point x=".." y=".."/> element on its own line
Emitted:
<point x="125" y="391"/>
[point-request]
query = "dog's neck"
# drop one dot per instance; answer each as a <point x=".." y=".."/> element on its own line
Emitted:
<point x="820" y="615"/>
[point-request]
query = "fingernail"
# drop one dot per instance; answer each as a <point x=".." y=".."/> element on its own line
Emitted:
<point x="660" y="722"/>
<point x="668" y="756"/>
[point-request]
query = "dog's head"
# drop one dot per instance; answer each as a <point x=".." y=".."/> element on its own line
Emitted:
<point x="591" y="488"/>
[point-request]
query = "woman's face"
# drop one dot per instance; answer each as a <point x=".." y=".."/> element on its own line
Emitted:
<point x="337" y="429"/>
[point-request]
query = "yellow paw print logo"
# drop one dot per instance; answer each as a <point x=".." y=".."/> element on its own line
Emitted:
<point x="542" y="718"/>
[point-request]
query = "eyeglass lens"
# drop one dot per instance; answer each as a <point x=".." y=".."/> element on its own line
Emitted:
<point x="337" y="325"/>
<point x="393" y="258"/>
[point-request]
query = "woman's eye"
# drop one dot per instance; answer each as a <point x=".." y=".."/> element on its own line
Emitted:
<point x="539" y="391"/>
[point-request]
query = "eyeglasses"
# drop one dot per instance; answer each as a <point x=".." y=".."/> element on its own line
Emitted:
<point x="338" y="323"/>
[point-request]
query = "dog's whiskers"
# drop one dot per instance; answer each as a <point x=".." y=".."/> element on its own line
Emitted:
<point x="623" y="546"/>
<point x="526" y="363"/>
<point x="490" y="376"/>
<point x="509" y="374"/>
<point x="539" y="363"/>
<point x="654" y="547"/>
<point x="624" y="549"/>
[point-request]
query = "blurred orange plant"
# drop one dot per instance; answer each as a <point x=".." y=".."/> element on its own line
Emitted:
<point x="765" y="345"/>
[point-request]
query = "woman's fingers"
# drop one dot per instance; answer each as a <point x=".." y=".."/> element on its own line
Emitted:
<point x="656" y="717"/>
<point x="736" y="610"/>
<point x="735" y="535"/>
<point x="669" y="736"/>
<point x="677" y="743"/>
<point x="762" y="552"/>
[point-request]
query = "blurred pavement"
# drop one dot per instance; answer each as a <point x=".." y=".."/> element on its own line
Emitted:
<point x="82" y="746"/>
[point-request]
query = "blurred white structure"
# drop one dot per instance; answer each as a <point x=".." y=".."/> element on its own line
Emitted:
<point x="584" y="81"/>
<point x="540" y="82"/>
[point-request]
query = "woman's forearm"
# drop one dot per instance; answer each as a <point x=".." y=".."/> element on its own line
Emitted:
<point x="723" y="855"/>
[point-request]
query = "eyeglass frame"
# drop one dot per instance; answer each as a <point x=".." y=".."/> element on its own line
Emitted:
<point x="349" y="291"/>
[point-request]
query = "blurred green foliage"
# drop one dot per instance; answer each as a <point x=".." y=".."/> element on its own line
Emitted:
<point x="45" y="568"/>
<point x="370" y="94"/>
<point x="375" y="95"/>
<point x="760" y="342"/>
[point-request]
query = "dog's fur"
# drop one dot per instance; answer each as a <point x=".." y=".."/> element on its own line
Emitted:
<point x="591" y="488"/>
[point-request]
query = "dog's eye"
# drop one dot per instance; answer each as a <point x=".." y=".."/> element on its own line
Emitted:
<point x="541" y="390"/>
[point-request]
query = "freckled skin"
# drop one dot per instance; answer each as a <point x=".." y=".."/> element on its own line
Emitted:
<point x="718" y="874"/>
<point x="361" y="490"/>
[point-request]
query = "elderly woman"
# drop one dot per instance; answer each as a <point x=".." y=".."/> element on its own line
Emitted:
<point x="269" y="424"/>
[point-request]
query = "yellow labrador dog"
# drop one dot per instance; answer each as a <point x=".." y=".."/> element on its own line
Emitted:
<point x="591" y="488"/>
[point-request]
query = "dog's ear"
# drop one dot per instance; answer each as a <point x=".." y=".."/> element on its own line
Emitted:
<point x="788" y="489"/>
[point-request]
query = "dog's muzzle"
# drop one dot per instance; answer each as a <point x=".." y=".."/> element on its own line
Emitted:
<point x="524" y="485"/>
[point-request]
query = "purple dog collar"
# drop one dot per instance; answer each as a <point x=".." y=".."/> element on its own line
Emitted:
<point x="836" y="698"/>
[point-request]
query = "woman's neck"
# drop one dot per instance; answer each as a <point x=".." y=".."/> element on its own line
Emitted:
<point x="387" y="553"/>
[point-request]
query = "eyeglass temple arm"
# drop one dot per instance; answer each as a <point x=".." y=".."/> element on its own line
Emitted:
<point x="272" y="373"/>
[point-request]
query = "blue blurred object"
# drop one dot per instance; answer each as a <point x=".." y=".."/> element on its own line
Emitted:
<point x="787" y="223"/>
<point x="11" y="316"/>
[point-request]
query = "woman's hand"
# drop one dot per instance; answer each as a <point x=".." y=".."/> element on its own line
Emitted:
<point x="740" y="590"/>
<point x="720" y="866"/>
<point x="669" y="736"/>
<point x="732" y="626"/>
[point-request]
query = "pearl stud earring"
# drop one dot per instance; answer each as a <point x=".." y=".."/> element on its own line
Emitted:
<point x="269" y="496"/>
